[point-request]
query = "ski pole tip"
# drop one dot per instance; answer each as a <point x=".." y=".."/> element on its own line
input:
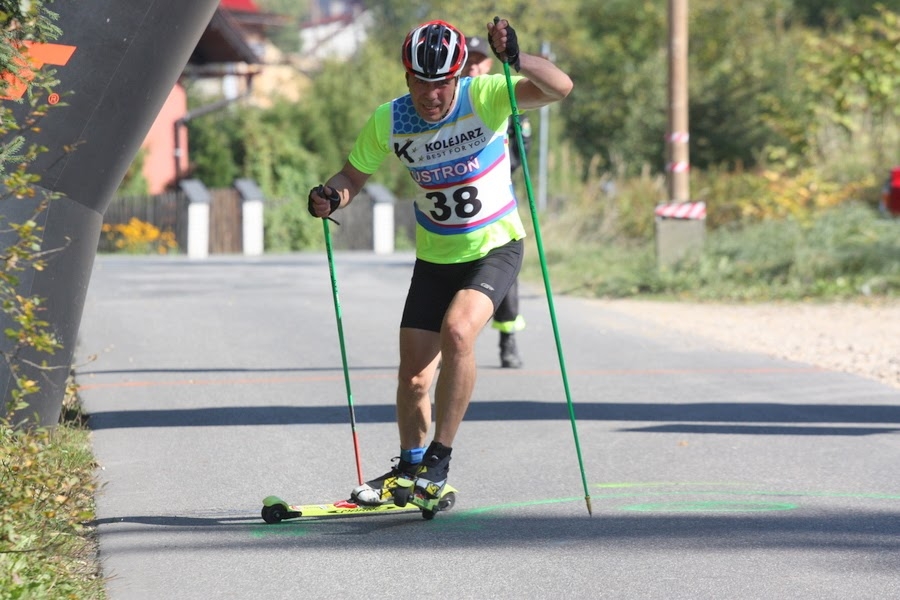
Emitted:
<point x="587" y="501"/>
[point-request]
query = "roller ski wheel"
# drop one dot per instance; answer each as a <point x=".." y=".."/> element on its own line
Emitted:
<point x="276" y="510"/>
<point x="274" y="514"/>
<point x="447" y="501"/>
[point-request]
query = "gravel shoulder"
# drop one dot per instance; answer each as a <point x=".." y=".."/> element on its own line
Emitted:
<point x="854" y="337"/>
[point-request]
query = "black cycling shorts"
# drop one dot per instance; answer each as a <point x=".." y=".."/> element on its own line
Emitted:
<point x="433" y="286"/>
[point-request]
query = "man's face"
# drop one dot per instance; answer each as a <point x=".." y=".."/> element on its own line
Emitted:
<point x="477" y="64"/>
<point x="432" y="99"/>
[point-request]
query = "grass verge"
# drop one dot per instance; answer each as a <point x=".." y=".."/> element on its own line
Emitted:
<point x="843" y="253"/>
<point x="47" y="548"/>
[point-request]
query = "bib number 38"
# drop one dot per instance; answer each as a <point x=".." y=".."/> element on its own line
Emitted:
<point x="464" y="204"/>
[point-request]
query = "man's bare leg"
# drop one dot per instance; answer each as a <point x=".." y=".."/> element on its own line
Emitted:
<point x="419" y="356"/>
<point x="468" y="314"/>
<point x="419" y="353"/>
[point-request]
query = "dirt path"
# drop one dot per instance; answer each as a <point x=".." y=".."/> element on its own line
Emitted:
<point x="861" y="338"/>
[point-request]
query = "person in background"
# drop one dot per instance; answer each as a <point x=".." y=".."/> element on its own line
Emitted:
<point x="507" y="319"/>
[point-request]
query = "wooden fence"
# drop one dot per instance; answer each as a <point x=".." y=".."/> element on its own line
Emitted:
<point x="225" y="222"/>
<point x="169" y="213"/>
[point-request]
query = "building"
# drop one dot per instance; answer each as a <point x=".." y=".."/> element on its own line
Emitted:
<point x="233" y="61"/>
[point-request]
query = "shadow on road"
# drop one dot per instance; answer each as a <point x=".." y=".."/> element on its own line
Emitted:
<point x="673" y="415"/>
<point x="823" y="531"/>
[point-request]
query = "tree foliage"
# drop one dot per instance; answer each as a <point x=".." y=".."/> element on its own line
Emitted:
<point x="829" y="13"/>
<point x="857" y="69"/>
<point x="285" y="36"/>
<point x="767" y="81"/>
<point x="293" y="146"/>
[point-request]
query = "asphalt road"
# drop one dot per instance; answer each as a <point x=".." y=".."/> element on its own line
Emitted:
<point x="712" y="474"/>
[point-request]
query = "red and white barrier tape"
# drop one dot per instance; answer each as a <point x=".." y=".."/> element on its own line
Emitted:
<point x="678" y="167"/>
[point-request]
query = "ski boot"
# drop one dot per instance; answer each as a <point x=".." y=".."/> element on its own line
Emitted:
<point x="509" y="354"/>
<point x="426" y="488"/>
<point x="380" y="490"/>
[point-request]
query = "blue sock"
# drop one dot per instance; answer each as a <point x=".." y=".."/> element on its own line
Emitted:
<point x="413" y="456"/>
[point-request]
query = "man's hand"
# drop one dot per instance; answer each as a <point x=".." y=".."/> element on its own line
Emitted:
<point x="504" y="42"/>
<point x="323" y="201"/>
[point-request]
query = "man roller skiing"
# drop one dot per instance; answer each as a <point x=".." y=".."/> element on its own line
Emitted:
<point x="450" y="132"/>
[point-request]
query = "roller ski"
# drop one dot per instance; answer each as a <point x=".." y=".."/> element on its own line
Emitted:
<point x="276" y="510"/>
<point x="406" y="487"/>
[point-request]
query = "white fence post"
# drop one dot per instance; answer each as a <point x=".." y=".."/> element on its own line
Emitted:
<point x="252" y="216"/>
<point x="198" y="217"/>
<point x="382" y="218"/>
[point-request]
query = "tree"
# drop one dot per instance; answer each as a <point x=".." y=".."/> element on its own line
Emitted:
<point x="285" y="38"/>
<point x="857" y="70"/>
<point x="618" y="63"/>
<point x="760" y="83"/>
<point x="740" y="66"/>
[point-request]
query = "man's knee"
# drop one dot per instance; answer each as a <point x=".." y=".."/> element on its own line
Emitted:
<point x="458" y="337"/>
<point x="414" y="384"/>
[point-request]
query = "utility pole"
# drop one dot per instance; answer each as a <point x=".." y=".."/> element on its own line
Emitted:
<point x="678" y="163"/>
<point x="680" y="223"/>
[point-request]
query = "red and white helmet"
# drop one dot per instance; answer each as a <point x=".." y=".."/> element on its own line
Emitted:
<point x="434" y="51"/>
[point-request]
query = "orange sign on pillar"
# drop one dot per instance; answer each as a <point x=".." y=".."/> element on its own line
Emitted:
<point x="37" y="56"/>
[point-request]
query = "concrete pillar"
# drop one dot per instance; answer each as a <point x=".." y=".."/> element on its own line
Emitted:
<point x="680" y="230"/>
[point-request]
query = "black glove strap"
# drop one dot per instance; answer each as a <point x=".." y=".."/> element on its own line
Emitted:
<point x="512" y="48"/>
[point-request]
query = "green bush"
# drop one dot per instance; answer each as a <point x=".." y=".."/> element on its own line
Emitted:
<point x="841" y="253"/>
<point x="288" y="227"/>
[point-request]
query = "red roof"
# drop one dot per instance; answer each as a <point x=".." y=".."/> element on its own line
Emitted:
<point x="239" y="5"/>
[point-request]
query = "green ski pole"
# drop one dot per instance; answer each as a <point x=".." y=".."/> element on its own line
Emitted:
<point x="340" y="328"/>
<point x="540" y="248"/>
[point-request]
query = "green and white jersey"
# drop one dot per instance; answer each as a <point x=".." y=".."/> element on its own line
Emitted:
<point x="467" y="206"/>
